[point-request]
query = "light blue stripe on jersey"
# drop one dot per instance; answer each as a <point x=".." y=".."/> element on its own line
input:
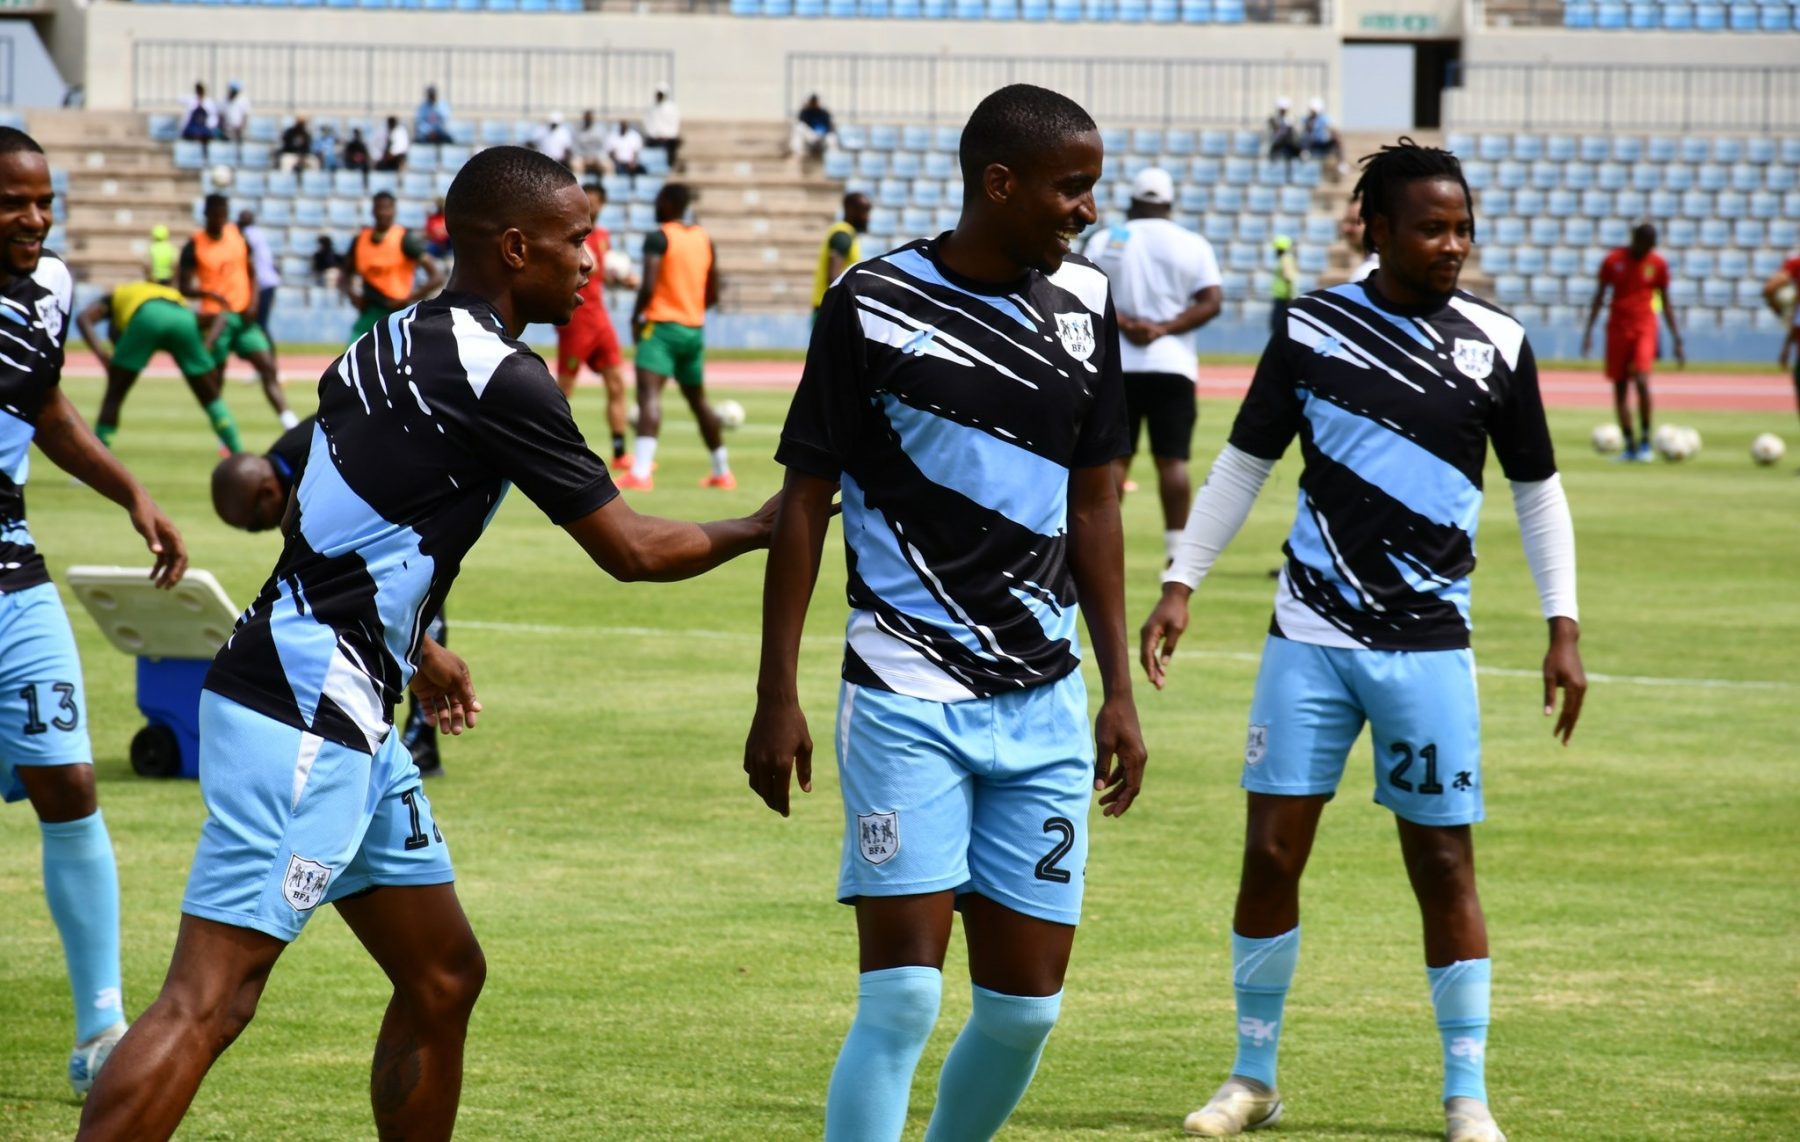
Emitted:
<point x="1310" y="547"/>
<point x="304" y="644"/>
<point x="1017" y="483"/>
<point x="921" y="267"/>
<point x="1457" y="593"/>
<point x="1058" y="622"/>
<point x="336" y="521"/>
<point x="881" y="564"/>
<point x="1353" y="292"/>
<point x="15" y="448"/>
<point x="1416" y="478"/>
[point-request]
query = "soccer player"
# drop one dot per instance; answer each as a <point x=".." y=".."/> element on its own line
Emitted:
<point x="1394" y="386"/>
<point x="842" y="247"/>
<point x="1350" y="229"/>
<point x="216" y="268"/>
<point x="963" y="392"/>
<point x="147" y="317"/>
<point x="1634" y="273"/>
<point x="44" y="752"/>
<point x="385" y="259"/>
<point x="311" y="798"/>
<point x="1788" y="275"/>
<point x="680" y="284"/>
<point x="589" y="338"/>
<point x="1166" y="284"/>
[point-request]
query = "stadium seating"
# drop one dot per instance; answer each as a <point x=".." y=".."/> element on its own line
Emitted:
<point x="1680" y="16"/>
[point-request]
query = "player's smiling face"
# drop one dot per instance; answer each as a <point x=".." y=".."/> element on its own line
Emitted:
<point x="1425" y="240"/>
<point x="1052" y="202"/>
<point x="25" y="200"/>
<point x="559" y="263"/>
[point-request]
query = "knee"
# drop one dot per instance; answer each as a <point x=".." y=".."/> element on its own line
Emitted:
<point x="216" y="1017"/>
<point x="1441" y="866"/>
<point x="1020" y="1021"/>
<point x="903" y="1001"/>
<point x="1271" y="859"/>
<point x="60" y="793"/>
<point x="447" y="990"/>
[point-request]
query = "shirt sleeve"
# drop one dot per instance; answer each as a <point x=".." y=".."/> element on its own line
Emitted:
<point x="1269" y="418"/>
<point x="188" y="260"/>
<point x="1206" y="268"/>
<point x="412" y="245"/>
<point x="840" y="243"/>
<point x="1517" y="427"/>
<point x="523" y="427"/>
<point x="656" y="242"/>
<point x="826" y="419"/>
<point x="1662" y="275"/>
<point x="1104" y="435"/>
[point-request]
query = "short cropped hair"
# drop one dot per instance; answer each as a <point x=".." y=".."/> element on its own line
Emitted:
<point x="674" y="197"/>
<point x="381" y="194"/>
<point x="1014" y="125"/>
<point x="13" y="141"/>
<point x="218" y="201"/>
<point x="496" y="184"/>
<point x="1644" y="232"/>
<point x="1391" y="168"/>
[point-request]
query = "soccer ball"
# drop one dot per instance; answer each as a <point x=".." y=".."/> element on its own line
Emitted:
<point x="1767" y="449"/>
<point x="220" y="177"/>
<point x="730" y="413"/>
<point x="1608" y="439"/>
<point x="1675" y="443"/>
<point x="1690" y="442"/>
<point x="616" y="266"/>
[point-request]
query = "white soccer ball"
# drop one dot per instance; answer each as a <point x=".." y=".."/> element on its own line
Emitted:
<point x="1690" y="442"/>
<point x="220" y="176"/>
<point x="616" y="266"/>
<point x="1608" y="439"/>
<point x="1767" y="449"/>
<point x="1675" y="443"/>
<point x="1664" y="440"/>
<point x="730" y="413"/>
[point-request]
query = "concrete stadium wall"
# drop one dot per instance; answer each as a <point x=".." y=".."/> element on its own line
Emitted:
<point x="36" y="81"/>
<point x="727" y="68"/>
<point x="1691" y="49"/>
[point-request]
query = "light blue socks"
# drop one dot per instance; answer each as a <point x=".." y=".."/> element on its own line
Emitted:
<point x="1262" y="969"/>
<point x="991" y="1064"/>
<point x="1459" y="995"/>
<point x="895" y="1010"/>
<point x="81" y="883"/>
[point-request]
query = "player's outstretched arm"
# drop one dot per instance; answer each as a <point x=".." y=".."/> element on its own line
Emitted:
<point x="444" y="689"/>
<point x="72" y="446"/>
<point x="88" y="321"/>
<point x="1097" y="559"/>
<point x="779" y="743"/>
<point x="1587" y="331"/>
<point x="636" y="548"/>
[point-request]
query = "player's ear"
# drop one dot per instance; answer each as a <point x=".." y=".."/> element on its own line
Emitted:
<point x="997" y="183"/>
<point x="512" y="248"/>
<point x="1378" y="232"/>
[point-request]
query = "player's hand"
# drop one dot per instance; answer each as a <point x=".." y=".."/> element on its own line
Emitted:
<point x="1787" y="352"/>
<point x="1680" y="353"/>
<point x="164" y="541"/>
<point x="1161" y="631"/>
<point x="1562" y="669"/>
<point x="1119" y="756"/>
<point x="444" y="689"/>
<point x="637" y="330"/>
<point x="779" y="745"/>
<point x="1587" y="344"/>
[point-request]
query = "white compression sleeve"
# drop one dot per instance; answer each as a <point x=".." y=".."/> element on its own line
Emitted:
<point x="1548" y="533"/>
<point x="1220" y="509"/>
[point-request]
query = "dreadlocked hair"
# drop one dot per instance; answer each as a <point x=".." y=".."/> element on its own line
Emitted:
<point x="1392" y="167"/>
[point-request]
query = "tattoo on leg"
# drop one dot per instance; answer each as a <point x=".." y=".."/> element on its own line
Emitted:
<point x="395" y="1074"/>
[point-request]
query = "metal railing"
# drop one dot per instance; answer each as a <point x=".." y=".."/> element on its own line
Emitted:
<point x="1116" y="92"/>
<point x="1624" y="97"/>
<point x="392" y="78"/>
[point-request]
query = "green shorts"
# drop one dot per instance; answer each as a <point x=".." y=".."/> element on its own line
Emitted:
<point x="368" y="318"/>
<point x="163" y="324"/>
<point x="677" y="351"/>
<point x="241" y="336"/>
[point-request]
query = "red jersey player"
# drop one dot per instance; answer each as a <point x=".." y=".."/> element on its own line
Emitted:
<point x="588" y="339"/>
<point x="1635" y="273"/>
<point x="1788" y="274"/>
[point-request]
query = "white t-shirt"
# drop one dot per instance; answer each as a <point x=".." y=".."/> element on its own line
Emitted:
<point x="554" y="142"/>
<point x="1156" y="268"/>
<point x="1369" y="264"/>
<point x="237" y="112"/>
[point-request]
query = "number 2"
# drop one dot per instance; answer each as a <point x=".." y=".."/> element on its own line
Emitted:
<point x="1046" y="868"/>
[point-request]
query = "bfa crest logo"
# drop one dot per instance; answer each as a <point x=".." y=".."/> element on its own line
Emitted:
<point x="1474" y="359"/>
<point x="1076" y="331"/>
<point x="878" y="836"/>
<point x="1256" y="746"/>
<point x="304" y="884"/>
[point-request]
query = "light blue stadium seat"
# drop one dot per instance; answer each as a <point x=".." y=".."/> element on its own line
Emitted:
<point x="1147" y="141"/>
<point x="1579" y="175"/>
<point x="1596" y="203"/>
<point x="915" y="137"/>
<point x="1685" y="291"/>
<point x="1759" y="149"/>
<point x="1727" y="149"/>
<point x="1509" y="175"/>
<point x="1529" y="260"/>
<point x="1253" y="228"/>
<point x="1681" y="232"/>
<point x="1132" y="165"/>
<point x="1565" y="261"/>
<point x="1746" y="177"/>
<point x="1215" y="144"/>
<point x="1744" y="17"/>
<point x="1228" y="198"/>
<point x="1694" y="150"/>
<point x="1179" y="144"/>
<point x="1204" y="169"/>
<point x="1778" y="18"/>
<point x="1494" y="203"/>
<point x="947" y="139"/>
<point x="640" y="216"/>
<point x="1293" y="200"/>
<point x="315" y="184"/>
<point x="1643" y="16"/>
<point x="778" y="7"/>
<point x="1660" y="149"/>
<point x="1493" y="148"/>
<point x="1789" y="149"/>
<point x="1578" y="14"/>
<point x="1709" y="18"/>
<point x="410" y="213"/>
<point x="1562" y="203"/>
<point x="940" y="165"/>
<point x="1066" y="11"/>
<point x="382" y="180"/>
<point x="1715" y="292"/>
<point x="839" y="164"/>
<point x="1196" y="11"/>
<point x="1509" y="231"/>
<point x="164" y="128"/>
<point x="1646" y="176"/>
<point x="645" y="188"/>
<point x="917" y="223"/>
<point x="1115" y="141"/>
<point x="1478" y="174"/>
<point x="1712" y="176"/>
<point x="252" y="183"/>
<point x="1730" y="204"/>
<point x="1165" y="11"/>
<point x="1191" y="198"/>
<point x="1677" y="17"/>
<point x="1764" y="204"/>
<point x="284" y="184"/>
<point x="968" y="10"/>
<point x="1460" y="144"/>
<point x="842" y="9"/>
<point x="1097" y="11"/>
<point x="1509" y="289"/>
<point x="1609" y="16"/>
<point x="1260" y="200"/>
<point x="1274" y="172"/>
<point x="945" y="218"/>
<point x="1318" y="230"/>
<point x="1228" y="11"/>
<point x="1034" y="11"/>
<point x="347" y="182"/>
<point x="309" y="212"/>
<point x="1715" y="232"/>
<point x="1133" y="11"/>
<point x="1312" y="259"/>
<point x="1527" y="148"/>
<point x="871" y="164"/>
<point x="1544" y="231"/>
<point x="275" y="212"/>
<point x="1496" y="259"/>
<point x="1664" y="203"/>
<point x="1304" y="174"/>
<point x="1765" y="262"/>
<point x="1240" y="172"/>
<point x="1243" y="255"/>
<point x="417" y="184"/>
<point x="1611" y="176"/>
<point x="1595" y="149"/>
<point x="1528" y="202"/>
<point x="927" y="192"/>
<point x="906" y="9"/>
<point x="905" y="164"/>
<point x="852" y="136"/>
<point x="1114" y="195"/>
<point x="1748" y="233"/>
<point x="893" y="192"/>
<point x="1678" y="177"/>
<point x="189" y="155"/>
<point x="1218" y="227"/>
<point x="613" y="215"/>
<point x="1247" y="144"/>
<point x="1782" y="180"/>
<point x="884" y="137"/>
<point x="1629" y="203"/>
<point x="1698" y="263"/>
<point x="1544" y="175"/>
<point x="451" y="157"/>
<point x="347" y="212"/>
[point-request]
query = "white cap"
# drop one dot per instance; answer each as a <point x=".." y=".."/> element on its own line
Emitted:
<point x="556" y="118"/>
<point x="1282" y="103"/>
<point x="1315" y="104"/>
<point x="1153" y="185"/>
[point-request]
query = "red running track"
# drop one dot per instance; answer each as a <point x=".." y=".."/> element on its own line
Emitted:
<point x="1718" y="392"/>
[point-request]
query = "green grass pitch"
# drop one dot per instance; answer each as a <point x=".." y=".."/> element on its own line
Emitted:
<point x="665" y="957"/>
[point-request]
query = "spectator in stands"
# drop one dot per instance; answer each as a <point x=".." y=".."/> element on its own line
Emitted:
<point x="625" y="148"/>
<point x="1320" y="138"/>
<point x="356" y="152"/>
<point x="1284" y="140"/>
<point x="395" y="142"/>
<point x="431" y="122"/>
<point x="590" y="147"/>
<point x="437" y="232"/>
<point x="159" y="265"/>
<point x="326" y="152"/>
<point x="325" y="262"/>
<point x="235" y="115"/>
<point x="199" y="116"/>
<point x="813" y="133"/>
<point x="296" y="146"/>
<point x="1284" y="286"/>
<point x="662" y="125"/>
<point x="1350" y="228"/>
<point x="265" y="276"/>
<point x="553" y="140"/>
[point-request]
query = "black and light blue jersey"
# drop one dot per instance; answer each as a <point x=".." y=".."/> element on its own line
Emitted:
<point x="1394" y="407"/>
<point x="34" y="322"/>
<point x="423" y="425"/>
<point x="952" y="413"/>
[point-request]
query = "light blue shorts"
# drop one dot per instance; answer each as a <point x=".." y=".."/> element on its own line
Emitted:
<point x="1425" y="723"/>
<point x="294" y="821"/>
<point x="43" y="709"/>
<point x="989" y="795"/>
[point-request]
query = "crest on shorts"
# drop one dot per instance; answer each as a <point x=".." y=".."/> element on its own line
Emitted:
<point x="1475" y="359"/>
<point x="878" y="836"/>
<point x="1076" y="331"/>
<point x="1256" y="745"/>
<point x="304" y="884"/>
